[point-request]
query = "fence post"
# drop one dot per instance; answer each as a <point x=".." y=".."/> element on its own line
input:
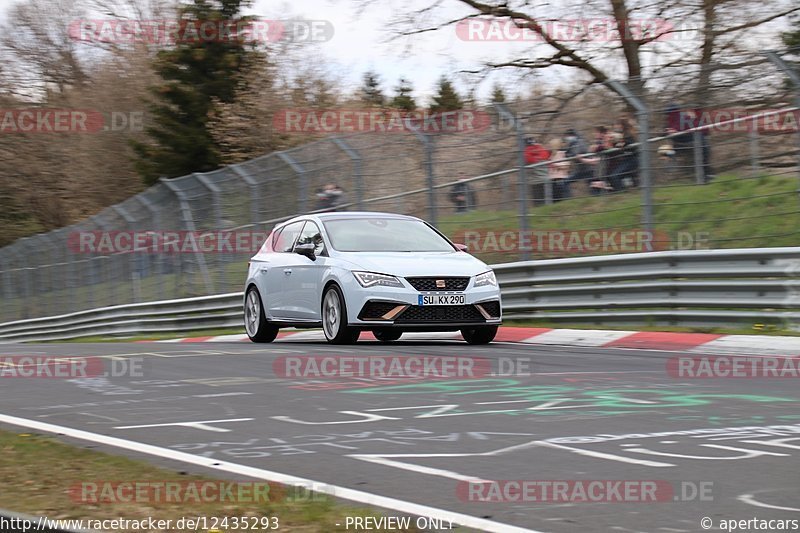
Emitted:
<point x="44" y="273"/>
<point x="12" y="290"/>
<point x="794" y="77"/>
<point x="217" y="260"/>
<point x="358" y="177"/>
<point x="55" y="247"/>
<point x="215" y="203"/>
<point x="753" y="137"/>
<point x="522" y="176"/>
<point x="155" y="217"/>
<point x="136" y="261"/>
<point x="105" y="266"/>
<point x="298" y="169"/>
<point x="27" y="273"/>
<point x="427" y="145"/>
<point x="188" y="224"/>
<point x="699" y="163"/>
<point x="643" y="120"/>
<point x="70" y="283"/>
<point x="252" y="184"/>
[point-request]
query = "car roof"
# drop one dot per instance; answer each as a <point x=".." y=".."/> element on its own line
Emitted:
<point x="361" y="214"/>
<point x="322" y="217"/>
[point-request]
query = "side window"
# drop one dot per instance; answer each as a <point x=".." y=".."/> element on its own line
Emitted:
<point x="268" y="245"/>
<point x="312" y="235"/>
<point x="285" y="240"/>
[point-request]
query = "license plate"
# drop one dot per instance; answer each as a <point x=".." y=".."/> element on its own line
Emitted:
<point x="442" y="299"/>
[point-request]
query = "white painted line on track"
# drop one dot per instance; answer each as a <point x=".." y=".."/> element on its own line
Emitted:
<point x="199" y="424"/>
<point x="269" y="475"/>
<point x="751" y="499"/>
<point x="419" y="469"/>
<point x="601" y="455"/>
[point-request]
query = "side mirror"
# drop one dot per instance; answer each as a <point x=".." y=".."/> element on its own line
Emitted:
<point x="462" y="247"/>
<point x="306" y="250"/>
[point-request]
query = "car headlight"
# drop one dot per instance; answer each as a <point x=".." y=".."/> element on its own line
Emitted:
<point x="487" y="278"/>
<point x="371" y="279"/>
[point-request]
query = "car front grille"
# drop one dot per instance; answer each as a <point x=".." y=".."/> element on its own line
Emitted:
<point x="429" y="284"/>
<point x="439" y="314"/>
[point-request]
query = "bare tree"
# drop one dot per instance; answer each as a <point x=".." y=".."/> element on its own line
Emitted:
<point x="650" y="36"/>
<point x="37" y="48"/>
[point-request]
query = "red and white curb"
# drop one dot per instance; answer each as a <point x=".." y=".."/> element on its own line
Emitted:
<point x="597" y="338"/>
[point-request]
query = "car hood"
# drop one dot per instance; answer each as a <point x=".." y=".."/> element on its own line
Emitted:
<point x="415" y="263"/>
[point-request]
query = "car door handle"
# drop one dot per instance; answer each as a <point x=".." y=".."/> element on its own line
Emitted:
<point x="287" y="271"/>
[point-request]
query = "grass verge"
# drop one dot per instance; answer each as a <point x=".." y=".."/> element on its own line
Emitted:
<point x="42" y="477"/>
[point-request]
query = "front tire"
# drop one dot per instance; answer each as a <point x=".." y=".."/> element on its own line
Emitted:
<point x="334" y="318"/>
<point x="255" y="322"/>
<point x="387" y="334"/>
<point x="479" y="334"/>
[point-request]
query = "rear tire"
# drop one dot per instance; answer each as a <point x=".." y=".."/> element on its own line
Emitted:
<point x="479" y="334"/>
<point x="387" y="334"/>
<point x="334" y="318"/>
<point x="255" y="322"/>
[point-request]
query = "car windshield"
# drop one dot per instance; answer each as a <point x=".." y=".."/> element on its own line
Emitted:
<point x="384" y="235"/>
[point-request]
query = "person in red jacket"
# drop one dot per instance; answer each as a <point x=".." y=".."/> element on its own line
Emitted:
<point x="537" y="176"/>
<point x="535" y="152"/>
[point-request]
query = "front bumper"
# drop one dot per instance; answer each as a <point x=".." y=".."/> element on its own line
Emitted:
<point x="395" y="307"/>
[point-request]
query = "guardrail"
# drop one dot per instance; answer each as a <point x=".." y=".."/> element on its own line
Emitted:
<point x="730" y="288"/>
<point x="682" y="288"/>
<point x="186" y="314"/>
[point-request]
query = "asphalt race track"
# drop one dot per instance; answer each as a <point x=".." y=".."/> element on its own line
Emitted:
<point x="576" y="414"/>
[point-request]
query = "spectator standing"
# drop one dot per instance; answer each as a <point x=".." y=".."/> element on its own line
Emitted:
<point x="536" y="153"/>
<point x="599" y="160"/>
<point x="625" y="161"/>
<point x="462" y="195"/>
<point x="558" y="170"/>
<point x="580" y="170"/>
<point x="331" y="197"/>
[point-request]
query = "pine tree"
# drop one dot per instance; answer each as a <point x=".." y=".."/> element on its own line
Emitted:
<point x="402" y="98"/>
<point x="196" y="73"/>
<point x="371" y="92"/>
<point x="792" y="38"/>
<point x="446" y="99"/>
<point x="498" y="96"/>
